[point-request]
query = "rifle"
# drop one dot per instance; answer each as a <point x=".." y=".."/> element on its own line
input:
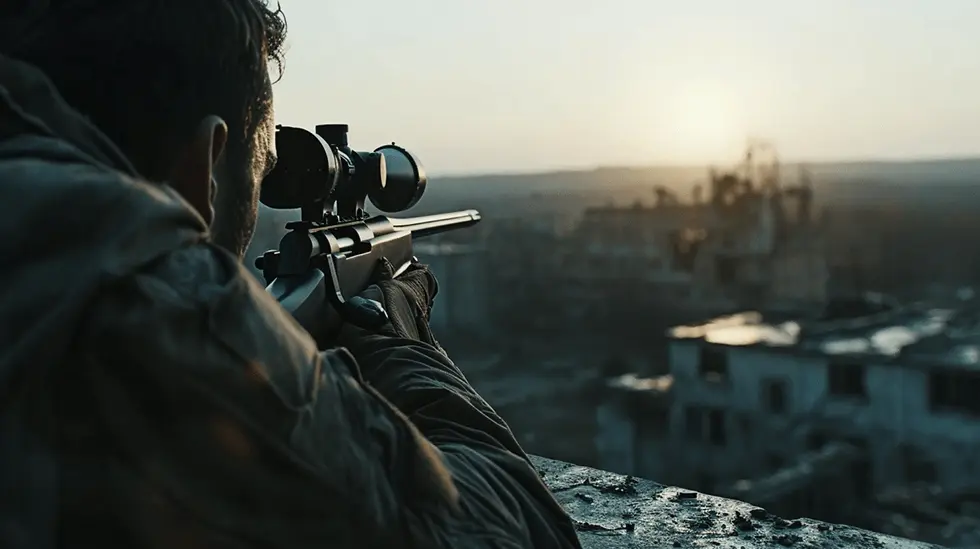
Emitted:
<point x="331" y="254"/>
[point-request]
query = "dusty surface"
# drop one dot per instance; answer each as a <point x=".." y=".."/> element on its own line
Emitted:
<point x="614" y="511"/>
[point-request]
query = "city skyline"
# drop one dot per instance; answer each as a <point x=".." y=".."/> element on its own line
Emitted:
<point x="542" y="85"/>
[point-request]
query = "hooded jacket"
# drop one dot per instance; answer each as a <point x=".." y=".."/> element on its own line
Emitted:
<point x="154" y="395"/>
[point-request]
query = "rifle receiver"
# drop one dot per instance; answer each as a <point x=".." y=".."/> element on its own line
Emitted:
<point x="331" y="254"/>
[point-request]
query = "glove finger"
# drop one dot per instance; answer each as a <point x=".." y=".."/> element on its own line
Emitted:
<point x="401" y="309"/>
<point x="420" y="274"/>
<point x="383" y="270"/>
<point x="374" y="292"/>
<point x="433" y="283"/>
<point x="364" y="312"/>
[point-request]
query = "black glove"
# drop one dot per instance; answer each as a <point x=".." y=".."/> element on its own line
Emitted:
<point x="398" y="307"/>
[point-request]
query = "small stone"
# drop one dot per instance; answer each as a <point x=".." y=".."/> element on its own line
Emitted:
<point x="744" y="524"/>
<point x="676" y="543"/>
<point x="585" y="497"/>
<point x="687" y="495"/>
<point x="626" y="487"/>
<point x="759" y="513"/>
<point x="795" y="524"/>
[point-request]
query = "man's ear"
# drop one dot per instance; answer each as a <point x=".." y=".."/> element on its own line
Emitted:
<point x="192" y="175"/>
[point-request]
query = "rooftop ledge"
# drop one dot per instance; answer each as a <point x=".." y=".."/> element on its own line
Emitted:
<point x="613" y="511"/>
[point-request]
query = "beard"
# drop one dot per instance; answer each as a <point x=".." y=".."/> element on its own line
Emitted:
<point x="234" y="222"/>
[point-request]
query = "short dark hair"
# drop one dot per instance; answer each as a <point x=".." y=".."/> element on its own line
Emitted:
<point x="146" y="72"/>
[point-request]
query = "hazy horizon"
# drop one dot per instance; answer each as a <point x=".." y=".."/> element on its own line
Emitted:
<point x="720" y="165"/>
<point x="535" y="86"/>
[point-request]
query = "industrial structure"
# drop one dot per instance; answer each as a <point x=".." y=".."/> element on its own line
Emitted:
<point x="753" y="241"/>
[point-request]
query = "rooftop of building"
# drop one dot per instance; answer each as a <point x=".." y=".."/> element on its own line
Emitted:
<point x="633" y="382"/>
<point x="612" y="511"/>
<point x="920" y="333"/>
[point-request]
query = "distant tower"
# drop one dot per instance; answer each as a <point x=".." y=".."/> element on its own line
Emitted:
<point x="661" y="194"/>
<point x="664" y="196"/>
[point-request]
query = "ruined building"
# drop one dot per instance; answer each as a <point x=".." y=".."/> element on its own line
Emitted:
<point x="753" y="241"/>
<point x="867" y="419"/>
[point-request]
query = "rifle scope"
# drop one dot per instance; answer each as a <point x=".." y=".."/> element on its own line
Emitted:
<point x="320" y="174"/>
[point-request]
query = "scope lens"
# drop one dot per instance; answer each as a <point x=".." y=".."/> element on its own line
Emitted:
<point x="404" y="180"/>
<point x="399" y="166"/>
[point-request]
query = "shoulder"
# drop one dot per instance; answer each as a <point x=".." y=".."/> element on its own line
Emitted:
<point x="86" y="210"/>
<point x="72" y="228"/>
<point x="196" y="311"/>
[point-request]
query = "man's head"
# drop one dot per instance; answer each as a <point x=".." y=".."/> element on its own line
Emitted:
<point x="181" y="86"/>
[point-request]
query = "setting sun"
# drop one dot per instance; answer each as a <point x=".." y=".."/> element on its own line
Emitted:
<point x="703" y="125"/>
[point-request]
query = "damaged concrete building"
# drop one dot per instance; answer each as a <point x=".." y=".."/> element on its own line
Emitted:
<point x="836" y="418"/>
<point x="748" y="240"/>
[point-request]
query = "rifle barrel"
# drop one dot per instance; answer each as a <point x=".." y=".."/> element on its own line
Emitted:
<point x="426" y="225"/>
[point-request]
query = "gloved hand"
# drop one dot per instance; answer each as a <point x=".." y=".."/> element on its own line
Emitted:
<point x="397" y="307"/>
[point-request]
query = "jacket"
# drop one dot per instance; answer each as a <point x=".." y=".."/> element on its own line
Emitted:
<point x="154" y="395"/>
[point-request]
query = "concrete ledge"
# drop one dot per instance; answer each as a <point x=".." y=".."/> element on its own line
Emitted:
<point x="614" y="511"/>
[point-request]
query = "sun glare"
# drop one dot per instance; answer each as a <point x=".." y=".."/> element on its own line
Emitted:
<point x="704" y="126"/>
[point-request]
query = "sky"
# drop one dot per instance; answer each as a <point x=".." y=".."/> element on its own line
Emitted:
<point x="488" y="86"/>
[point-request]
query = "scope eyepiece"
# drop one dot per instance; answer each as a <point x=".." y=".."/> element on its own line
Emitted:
<point x="319" y="171"/>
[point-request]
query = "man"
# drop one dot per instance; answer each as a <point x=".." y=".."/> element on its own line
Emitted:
<point x="153" y="395"/>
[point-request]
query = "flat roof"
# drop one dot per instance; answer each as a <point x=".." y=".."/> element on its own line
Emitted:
<point x="633" y="382"/>
<point x="917" y="333"/>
